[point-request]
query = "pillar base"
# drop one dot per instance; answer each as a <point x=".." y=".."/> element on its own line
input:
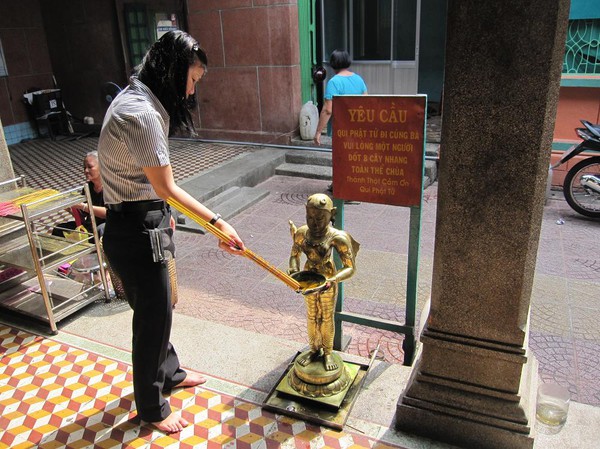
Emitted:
<point x="469" y="415"/>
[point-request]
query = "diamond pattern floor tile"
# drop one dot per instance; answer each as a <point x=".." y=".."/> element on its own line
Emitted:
<point x="56" y="396"/>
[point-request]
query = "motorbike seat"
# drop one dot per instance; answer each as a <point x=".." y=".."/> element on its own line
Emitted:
<point x="594" y="129"/>
<point x="590" y="138"/>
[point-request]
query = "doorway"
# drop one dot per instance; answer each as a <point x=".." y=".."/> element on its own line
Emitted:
<point x="382" y="37"/>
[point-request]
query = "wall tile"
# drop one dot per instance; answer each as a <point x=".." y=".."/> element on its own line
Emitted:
<point x="206" y="28"/>
<point x="15" y="52"/>
<point x="576" y="103"/>
<point x="38" y="50"/>
<point x="6" y="114"/>
<point x="20" y="131"/>
<point x="204" y="5"/>
<point x="261" y="36"/>
<point x="229" y="99"/>
<point x="280" y="98"/>
<point x="20" y="14"/>
<point x="274" y="2"/>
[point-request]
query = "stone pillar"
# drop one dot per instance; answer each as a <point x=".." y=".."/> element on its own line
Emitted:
<point x="474" y="381"/>
<point x="6" y="168"/>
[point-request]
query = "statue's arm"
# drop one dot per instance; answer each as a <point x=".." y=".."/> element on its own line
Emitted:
<point x="343" y="245"/>
<point x="293" y="229"/>
<point x="296" y="252"/>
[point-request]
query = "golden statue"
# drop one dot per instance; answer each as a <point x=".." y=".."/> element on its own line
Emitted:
<point x="317" y="239"/>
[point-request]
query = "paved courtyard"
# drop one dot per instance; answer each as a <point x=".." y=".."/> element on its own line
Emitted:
<point x="235" y="292"/>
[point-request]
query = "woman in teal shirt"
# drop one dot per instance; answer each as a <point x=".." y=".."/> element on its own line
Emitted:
<point x="344" y="82"/>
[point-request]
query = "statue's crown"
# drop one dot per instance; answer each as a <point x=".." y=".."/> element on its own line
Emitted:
<point x="320" y="201"/>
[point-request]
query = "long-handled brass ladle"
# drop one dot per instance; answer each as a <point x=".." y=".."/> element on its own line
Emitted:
<point x="286" y="278"/>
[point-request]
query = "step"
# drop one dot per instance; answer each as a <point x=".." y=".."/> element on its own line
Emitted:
<point x="305" y="171"/>
<point x="326" y="173"/>
<point x="325" y="142"/>
<point x="309" y="157"/>
<point x="248" y="169"/>
<point x="235" y="200"/>
<point x="317" y="165"/>
<point x="228" y="203"/>
<point x="222" y="197"/>
<point x="432" y="149"/>
<point x="228" y="188"/>
<point x="431" y="173"/>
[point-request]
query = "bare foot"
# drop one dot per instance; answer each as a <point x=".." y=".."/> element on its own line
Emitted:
<point x="303" y="361"/>
<point x="171" y="424"/>
<point x="329" y="363"/>
<point x="191" y="380"/>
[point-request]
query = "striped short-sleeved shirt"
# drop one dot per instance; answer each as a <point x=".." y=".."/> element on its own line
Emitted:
<point x="134" y="135"/>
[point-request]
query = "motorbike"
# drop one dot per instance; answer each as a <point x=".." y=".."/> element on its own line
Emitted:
<point x="582" y="182"/>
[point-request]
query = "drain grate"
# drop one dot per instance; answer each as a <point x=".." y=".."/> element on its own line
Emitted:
<point x="293" y="199"/>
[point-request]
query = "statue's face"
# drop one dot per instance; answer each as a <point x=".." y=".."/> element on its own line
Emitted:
<point x="317" y="220"/>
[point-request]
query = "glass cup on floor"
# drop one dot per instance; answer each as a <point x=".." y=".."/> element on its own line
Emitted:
<point x="552" y="408"/>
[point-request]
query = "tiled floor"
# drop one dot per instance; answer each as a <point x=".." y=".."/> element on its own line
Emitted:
<point x="235" y="292"/>
<point x="59" y="164"/>
<point x="565" y="307"/>
<point x="256" y="301"/>
<point x="57" y="396"/>
<point x="565" y="310"/>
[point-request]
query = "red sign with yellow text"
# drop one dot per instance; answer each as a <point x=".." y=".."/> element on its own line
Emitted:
<point x="378" y="144"/>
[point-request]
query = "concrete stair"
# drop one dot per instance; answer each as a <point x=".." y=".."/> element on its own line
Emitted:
<point x="306" y="164"/>
<point x="229" y="203"/>
<point x="230" y="188"/>
<point x="318" y="165"/>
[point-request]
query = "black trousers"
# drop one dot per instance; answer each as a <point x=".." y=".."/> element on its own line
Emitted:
<point x="156" y="367"/>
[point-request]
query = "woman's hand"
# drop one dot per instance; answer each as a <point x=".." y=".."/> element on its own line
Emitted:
<point x="164" y="185"/>
<point x="77" y="209"/>
<point x="323" y="120"/>
<point x="235" y="246"/>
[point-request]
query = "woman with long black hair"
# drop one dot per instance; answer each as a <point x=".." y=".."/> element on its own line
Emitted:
<point x="138" y="181"/>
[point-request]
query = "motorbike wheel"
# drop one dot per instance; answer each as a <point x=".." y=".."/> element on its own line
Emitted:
<point x="584" y="202"/>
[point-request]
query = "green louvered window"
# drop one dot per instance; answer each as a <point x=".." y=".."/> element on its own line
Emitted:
<point x="136" y="20"/>
<point x="371" y="30"/>
<point x="582" y="52"/>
